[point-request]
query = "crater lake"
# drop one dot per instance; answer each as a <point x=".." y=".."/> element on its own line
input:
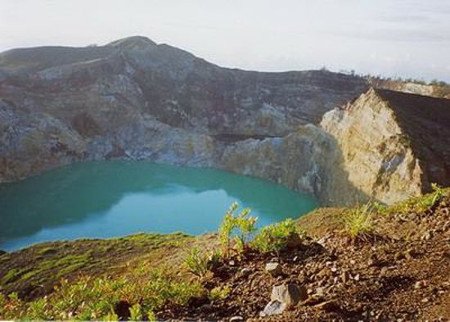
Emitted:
<point x="116" y="198"/>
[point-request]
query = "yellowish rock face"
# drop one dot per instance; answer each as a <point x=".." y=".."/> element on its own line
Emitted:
<point x="375" y="153"/>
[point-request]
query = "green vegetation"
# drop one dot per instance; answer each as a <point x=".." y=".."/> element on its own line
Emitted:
<point x="80" y="289"/>
<point x="219" y="293"/>
<point x="358" y="221"/>
<point x="197" y="262"/>
<point x="235" y="234"/>
<point x="96" y="298"/>
<point x="418" y="204"/>
<point x="275" y="237"/>
<point x="136" y="312"/>
<point x="241" y="226"/>
<point x="38" y="268"/>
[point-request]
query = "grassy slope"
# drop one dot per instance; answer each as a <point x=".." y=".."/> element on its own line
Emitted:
<point x="34" y="271"/>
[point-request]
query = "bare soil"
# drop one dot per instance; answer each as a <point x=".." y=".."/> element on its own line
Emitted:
<point x="401" y="272"/>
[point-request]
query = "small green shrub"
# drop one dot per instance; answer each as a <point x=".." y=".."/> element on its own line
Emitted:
<point x="358" y="221"/>
<point x="219" y="293"/>
<point x="2" y="304"/>
<point x="36" y="309"/>
<point x="214" y="259"/>
<point x="379" y="208"/>
<point x="111" y="317"/>
<point x="197" y="262"/>
<point x="436" y="195"/>
<point x="135" y="312"/>
<point x="242" y="225"/>
<point x="151" y="316"/>
<point x="419" y="204"/>
<point x="275" y="237"/>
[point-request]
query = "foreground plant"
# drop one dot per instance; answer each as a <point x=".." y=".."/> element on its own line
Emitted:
<point x="199" y="263"/>
<point x="421" y="203"/>
<point x="219" y="293"/>
<point x="275" y="237"/>
<point x="97" y="298"/>
<point x="358" y="222"/>
<point x="240" y="225"/>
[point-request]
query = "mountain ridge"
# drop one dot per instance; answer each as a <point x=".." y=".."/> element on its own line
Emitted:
<point x="139" y="100"/>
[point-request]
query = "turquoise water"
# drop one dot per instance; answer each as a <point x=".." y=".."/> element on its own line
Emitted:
<point x="116" y="198"/>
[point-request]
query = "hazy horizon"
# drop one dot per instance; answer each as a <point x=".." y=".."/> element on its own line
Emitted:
<point x="404" y="38"/>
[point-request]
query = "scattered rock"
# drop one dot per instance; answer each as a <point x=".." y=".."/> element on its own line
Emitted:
<point x="322" y="241"/>
<point x="245" y="271"/>
<point x="323" y="272"/>
<point x="420" y="284"/>
<point x="427" y="235"/>
<point x="320" y="291"/>
<point x="273" y="308"/>
<point x="274" y="269"/>
<point x="236" y="318"/>
<point x="383" y="271"/>
<point x="290" y="294"/>
<point x="409" y="254"/>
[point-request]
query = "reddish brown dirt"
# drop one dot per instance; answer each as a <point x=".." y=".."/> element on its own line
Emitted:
<point x="402" y="273"/>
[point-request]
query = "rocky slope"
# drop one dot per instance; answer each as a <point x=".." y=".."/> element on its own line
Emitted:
<point x="136" y="99"/>
<point x="399" y="271"/>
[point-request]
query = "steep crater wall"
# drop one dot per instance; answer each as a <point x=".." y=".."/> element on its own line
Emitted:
<point x="134" y="99"/>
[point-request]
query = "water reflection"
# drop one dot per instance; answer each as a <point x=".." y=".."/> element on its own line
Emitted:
<point x="113" y="198"/>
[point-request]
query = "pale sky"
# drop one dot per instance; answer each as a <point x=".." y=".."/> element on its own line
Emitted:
<point x="408" y="38"/>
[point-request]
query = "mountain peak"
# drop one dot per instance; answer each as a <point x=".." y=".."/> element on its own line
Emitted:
<point x="134" y="42"/>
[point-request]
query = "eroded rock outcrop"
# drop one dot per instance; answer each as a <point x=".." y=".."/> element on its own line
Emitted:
<point x="393" y="145"/>
<point x="301" y="160"/>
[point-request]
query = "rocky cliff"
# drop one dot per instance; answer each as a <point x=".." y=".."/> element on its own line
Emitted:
<point x="140" y="100"/>
<point x="393" y="145"/>
<point x="434" y="89"/>
<point x="133" y="98"/>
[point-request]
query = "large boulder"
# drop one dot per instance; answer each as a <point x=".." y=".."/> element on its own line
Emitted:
<point x="290" y="294"/>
